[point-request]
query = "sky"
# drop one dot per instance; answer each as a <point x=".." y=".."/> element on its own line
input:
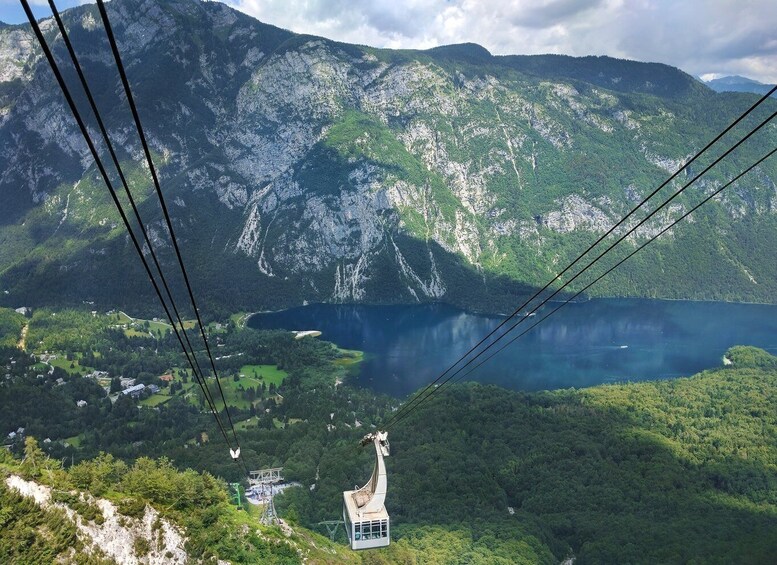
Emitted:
<point x="707" y="38"/>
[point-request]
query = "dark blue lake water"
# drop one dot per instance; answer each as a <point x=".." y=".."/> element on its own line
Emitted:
<point x="599" y="341"/>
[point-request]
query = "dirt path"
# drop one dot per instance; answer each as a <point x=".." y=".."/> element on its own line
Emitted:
<point x="23" y="339"/>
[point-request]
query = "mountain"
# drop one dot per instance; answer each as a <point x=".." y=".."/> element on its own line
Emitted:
<point x="301" y="169"/>
<point x="738" y="83"/>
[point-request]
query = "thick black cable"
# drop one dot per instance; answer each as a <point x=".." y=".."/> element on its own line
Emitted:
<point x="419" y="398"/>
<point x="152" y="168"/>
<point x="126" y="223"/>
<point x="590" y="247"/>
<point x="589" y="285"/>
<point x="621" y="261"/>
<point x="141" y="224"/>
<point x="103" y="172"/>
<point x="610" y="248"/>
<point x="141" y="134"/>
<point x="397" y="417"/>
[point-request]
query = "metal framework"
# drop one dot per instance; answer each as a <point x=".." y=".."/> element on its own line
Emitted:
<point x="265" y="479"/>
<point x="332" y="526"/>
<point x="269" y="515"/>
<point x="265" y="476"/>
<point x="236" y="496"/>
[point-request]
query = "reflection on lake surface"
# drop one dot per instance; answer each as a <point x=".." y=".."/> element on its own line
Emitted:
<point x="599" y="341"/>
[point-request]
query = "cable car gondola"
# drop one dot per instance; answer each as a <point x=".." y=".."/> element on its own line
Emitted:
<point x="364" y="513"/>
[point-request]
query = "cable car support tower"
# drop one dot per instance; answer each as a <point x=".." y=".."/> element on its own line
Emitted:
<point x="265" y="479"/>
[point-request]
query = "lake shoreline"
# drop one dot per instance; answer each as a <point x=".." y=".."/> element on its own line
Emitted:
<point x="486" y="313"/>
<point x="593" y="342"/>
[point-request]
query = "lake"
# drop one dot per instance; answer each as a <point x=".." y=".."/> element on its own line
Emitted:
<point x="583" y="344"/>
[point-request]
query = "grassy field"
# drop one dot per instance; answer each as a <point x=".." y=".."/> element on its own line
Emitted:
<point x="264" y="373"/>
<point x="77" y="368"/>
<point x="254" y="377"/>
<point x="122" y="318"/>
<point x="244" y="425"/>
<point x="189" y="391"/>
<point x="155" y="400"/>
<point x="132" y="332"/>
<point x="154" y="327"/>
<point x="74" y="441"/>
<point x="136" y="326"/>
<point x="239" y="318"/>
<point x="233" y="393"/>
<point x="233" y="390"/>
<point x="349" y="357"/>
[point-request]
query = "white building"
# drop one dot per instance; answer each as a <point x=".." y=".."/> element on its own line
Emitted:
<point x="134" y="390"/>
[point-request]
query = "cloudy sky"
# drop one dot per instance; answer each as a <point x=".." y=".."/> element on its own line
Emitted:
<point x="702" y="37"/>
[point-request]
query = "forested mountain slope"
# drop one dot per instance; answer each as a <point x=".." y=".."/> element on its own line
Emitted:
<point x="738" y="83"/>
<point x="103" y="511"/>
<point x="675" y="471"/>
<point x="298" y="168"/>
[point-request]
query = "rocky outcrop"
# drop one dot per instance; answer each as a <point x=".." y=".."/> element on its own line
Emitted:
<point x="115" y="536"/>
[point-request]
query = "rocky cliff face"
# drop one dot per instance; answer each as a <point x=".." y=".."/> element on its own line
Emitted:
<point x="303" y="169"/>
<point x="113" y="536"/>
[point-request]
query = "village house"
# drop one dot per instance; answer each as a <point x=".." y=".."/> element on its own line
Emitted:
<point x="126" y="382"/>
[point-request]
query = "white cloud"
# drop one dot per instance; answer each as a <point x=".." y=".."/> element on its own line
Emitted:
<point x="11" y="10"/>
<point x="699" y="36"/>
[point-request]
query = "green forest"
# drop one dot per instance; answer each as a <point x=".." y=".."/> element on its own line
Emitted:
<point x="196" y="501"/>
<point x="673" y="471"/>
